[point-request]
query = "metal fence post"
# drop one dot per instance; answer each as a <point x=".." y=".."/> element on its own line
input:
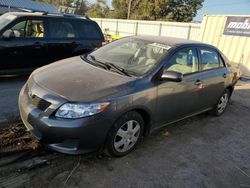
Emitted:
<point x="160" y="28"/>
<point x="136" y="28"/>
<point x="189" y="31"/>
<point x="116" y="29"/>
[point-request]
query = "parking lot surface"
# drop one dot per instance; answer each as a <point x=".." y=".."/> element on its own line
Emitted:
<point x="203" y="151"/>
<point x="9" y="90"/>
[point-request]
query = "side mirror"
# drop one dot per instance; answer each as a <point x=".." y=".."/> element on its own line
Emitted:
<point x="172" y="76"/>
<point x="9" y="34"/>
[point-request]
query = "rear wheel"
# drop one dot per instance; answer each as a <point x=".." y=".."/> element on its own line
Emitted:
<point x="222" y="103"/>
<point x="125" y="134"/>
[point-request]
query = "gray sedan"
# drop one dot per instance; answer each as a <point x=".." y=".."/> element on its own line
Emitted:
<point x="110" y="98"/>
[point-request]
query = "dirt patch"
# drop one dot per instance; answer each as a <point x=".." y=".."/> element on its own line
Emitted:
<point x="15" y="139"/>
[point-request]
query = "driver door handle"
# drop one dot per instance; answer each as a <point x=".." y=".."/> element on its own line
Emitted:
<point x="198" y="82"/>
<point x="37" y="45"/>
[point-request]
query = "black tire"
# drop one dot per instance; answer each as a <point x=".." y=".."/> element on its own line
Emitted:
<point x="217" y="111"/>
<point x="135" y="119"/>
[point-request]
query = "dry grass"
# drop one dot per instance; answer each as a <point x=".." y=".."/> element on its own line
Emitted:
<point x="15" y="138"/>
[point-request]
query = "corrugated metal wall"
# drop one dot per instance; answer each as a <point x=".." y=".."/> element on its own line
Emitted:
<point x="139" y="27"/>
<point x="29" y="4"/>
<point x="236" y="48"/>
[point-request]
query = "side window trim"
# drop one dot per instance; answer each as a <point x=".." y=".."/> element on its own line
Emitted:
<point x="198" y="58"/>
<point x="222" y="60"/>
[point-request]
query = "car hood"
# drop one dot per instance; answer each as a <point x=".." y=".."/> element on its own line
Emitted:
<point x="79" y="81"/>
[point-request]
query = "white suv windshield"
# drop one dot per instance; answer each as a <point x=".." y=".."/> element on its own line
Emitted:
<point x="6" y="19"/>
<point x="135" y="56"/>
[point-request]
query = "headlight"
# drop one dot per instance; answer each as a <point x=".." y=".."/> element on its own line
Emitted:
<point x="72" y="111"/>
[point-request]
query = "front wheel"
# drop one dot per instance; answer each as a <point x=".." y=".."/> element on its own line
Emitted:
<point x="222" y="103"/>
<point x="125" y="134"/>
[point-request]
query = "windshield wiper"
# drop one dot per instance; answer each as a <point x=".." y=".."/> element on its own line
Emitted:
<point x="99" y="63"/>
<point x="108" y="65"/>
<point x="117" y="68"/>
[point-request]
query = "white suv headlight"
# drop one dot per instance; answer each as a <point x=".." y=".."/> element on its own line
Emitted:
<point x="73" y="111"/>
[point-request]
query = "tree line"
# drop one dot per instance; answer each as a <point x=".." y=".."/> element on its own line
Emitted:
<point x="164" y="10"/>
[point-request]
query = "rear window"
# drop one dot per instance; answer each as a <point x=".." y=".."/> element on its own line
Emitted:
<point x="88" y="30"/>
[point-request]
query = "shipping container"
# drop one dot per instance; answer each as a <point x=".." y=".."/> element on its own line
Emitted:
<point x="235" y="45"/>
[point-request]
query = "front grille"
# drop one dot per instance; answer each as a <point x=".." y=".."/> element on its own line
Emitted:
<point x="33" y="99"/>
<point x="39" y="103"/>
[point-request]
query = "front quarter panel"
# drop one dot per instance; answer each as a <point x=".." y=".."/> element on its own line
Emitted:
<point x="142" y="98"/>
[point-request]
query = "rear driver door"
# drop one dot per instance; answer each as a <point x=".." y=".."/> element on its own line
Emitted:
<point x="214" y="75"/>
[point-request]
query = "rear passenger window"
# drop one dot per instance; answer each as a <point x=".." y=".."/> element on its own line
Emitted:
<point x="210" y="59"/>
<point x="88" y="30"/>
<point x="61" y="29"/>
<point x="34" y="29"/>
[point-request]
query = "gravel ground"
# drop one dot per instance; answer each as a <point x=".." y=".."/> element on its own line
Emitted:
<point x="203" y="151"/>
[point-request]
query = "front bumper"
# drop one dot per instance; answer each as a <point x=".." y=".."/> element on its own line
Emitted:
<point x="63" y="135"/>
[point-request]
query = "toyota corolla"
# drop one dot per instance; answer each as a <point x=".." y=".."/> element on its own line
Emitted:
<point x="110" y="98"/>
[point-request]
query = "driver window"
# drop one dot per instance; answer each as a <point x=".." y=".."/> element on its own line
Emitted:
<point x="29" y="29"/>
<point x="19" y="29"/>
<point x="184" y="61"/>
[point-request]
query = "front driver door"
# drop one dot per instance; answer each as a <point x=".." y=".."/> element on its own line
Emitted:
<point x="180" y="99"/>
<point x="28" y="49"/>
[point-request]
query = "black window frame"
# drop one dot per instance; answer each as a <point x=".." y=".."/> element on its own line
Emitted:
<point x="221" y="60"/>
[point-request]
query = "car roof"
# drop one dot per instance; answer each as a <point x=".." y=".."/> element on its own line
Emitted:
<point x="45" y="14"/>
<point x="170" y="41"/>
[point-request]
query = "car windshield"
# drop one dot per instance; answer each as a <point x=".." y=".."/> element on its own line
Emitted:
<point x="6" y="19"/>
<point x="133" y="56"/>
